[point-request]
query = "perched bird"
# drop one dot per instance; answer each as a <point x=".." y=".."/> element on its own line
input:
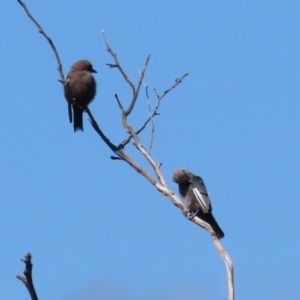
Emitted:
<point x="80" y="89"/>
<point x="193" y="191"/>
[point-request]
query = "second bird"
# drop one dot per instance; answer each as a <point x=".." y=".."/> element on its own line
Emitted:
<point x="193" y="191"/>
<point x="81" y="89"/>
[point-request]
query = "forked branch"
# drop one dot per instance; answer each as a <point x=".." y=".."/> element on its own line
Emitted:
<point x="161" y="185"/>
<point x="155" y="111"/>
<point x="159" y="181"/>
<point x="27" y="279"/>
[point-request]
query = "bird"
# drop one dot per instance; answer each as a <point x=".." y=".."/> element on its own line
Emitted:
<point x="193" y="191"/>
<point x="80" y="88"/>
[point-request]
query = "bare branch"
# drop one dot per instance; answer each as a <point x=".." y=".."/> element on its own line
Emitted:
<point x="150" y="115"/>
<point x="228" y="263"/>
<point x="133" y="134"/>
<point x="223" y="254"/>
<point x="116" y="64"/>
<point x="177" y="81"/>
<point x="127" y="140"/>
<point x="59" y="65"/>
<point x="162" y="187"/>
<point x="155" y="166"/>
<point x="135" y="96"/>
<point x="121" y="154"/>
<point x="112" y="65"/>
<point x="119" y="103"/>
<point x="152" y="122"/>
<point x="137" y="167"/>
<point x="99" y="131"/>
<point x="155" y="111"/>
<point x="41" y="30"/>
<point x="135" y="91"/>
<point x="161" y="184"/>
<point x="27" y="280"/>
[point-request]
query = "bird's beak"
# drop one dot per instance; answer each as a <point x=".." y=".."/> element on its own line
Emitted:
<point x="94" y="71"/>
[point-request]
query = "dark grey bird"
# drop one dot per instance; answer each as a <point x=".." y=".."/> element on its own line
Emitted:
<point x="193" y="191"/>
<point x="80" y="89"/>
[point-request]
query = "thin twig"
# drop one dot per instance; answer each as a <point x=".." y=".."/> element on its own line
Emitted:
<point x="27" y="279"/>
<point x="135" y="96"/>
<point x="155" y="111"/>
<point x="59" y="64"/>
<point x="135" y="91"/>
<point x="177" y="81"/>
<point x="41" y="30"/>
<point x="127" y="140"/>
<point x="117" y="65"/>
<point x="119" y="103"/>
<point x="152" y="122"/>
<point x="150" y="115"/>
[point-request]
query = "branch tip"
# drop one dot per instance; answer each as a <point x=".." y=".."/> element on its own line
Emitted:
<point x="27" y="278"/>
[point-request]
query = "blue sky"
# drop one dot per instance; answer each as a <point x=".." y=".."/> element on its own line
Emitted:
<point x="96" y="228"/>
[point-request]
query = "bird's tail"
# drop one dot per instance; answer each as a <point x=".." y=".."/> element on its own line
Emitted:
<point x="209" y="218"/>
<point x="77" y="119"/>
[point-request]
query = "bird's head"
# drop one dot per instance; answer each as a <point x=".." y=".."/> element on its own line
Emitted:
<point x="182" y="176"/>
<point x="83" y="65"/>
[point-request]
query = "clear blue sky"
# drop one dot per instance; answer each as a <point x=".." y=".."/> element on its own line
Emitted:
<point x="96" y="228"/>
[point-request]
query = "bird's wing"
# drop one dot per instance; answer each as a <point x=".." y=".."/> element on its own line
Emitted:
<point x="200" y="192"/>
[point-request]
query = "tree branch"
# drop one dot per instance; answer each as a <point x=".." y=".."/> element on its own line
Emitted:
<point x="27" y="280"/>
<point x="59" y="65"/>
<point x="127" y="140"/>
<point x="161" y="185"/>
<point x="152" y="121"/>
<point x="65" y="82"/>
<point x="135" y="96"/>
<point x="117" y="65"/>
<point x="155" y="111"/>
<point x="41" y="30"/>
<point x="99" y="131"/>
<point x="226" y="258"/>
<point x="135" y="91"/>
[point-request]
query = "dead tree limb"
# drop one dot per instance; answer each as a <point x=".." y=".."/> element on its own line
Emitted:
<point x="152" y="121"/>
<point x="160" y="184"/>
<point x="155" y="110"/>
<point x="158" y="181"/>
<point x="59" y="65"/>
<point x="27" y="279"/>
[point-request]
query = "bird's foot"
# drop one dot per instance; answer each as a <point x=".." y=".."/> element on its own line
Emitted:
<point x="188" y="214"/>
